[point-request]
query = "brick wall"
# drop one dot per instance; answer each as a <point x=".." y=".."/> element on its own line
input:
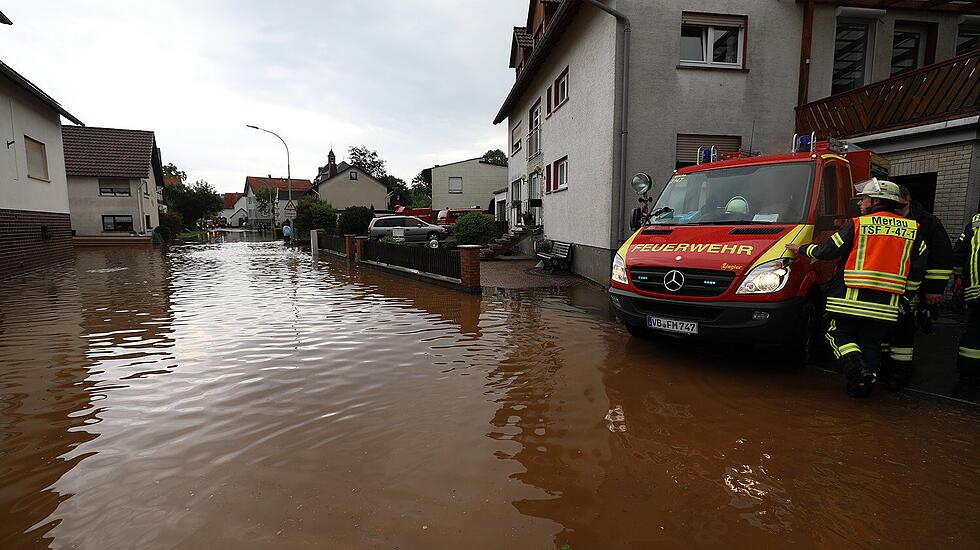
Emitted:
<point x="22" y="247"/>
<point x="951" y="163"/>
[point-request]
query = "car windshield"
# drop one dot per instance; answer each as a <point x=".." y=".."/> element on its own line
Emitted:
<point x="763" y="193"/>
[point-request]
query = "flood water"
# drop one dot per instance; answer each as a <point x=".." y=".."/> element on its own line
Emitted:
<point x="243" y="395"/>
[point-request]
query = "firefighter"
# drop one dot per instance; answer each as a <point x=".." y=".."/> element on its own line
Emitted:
<point x="885" y="258"/>
<point x="898" y="364"/>
<point x="966" y="255"/>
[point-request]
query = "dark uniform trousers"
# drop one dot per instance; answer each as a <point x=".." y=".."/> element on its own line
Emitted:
<point x="859" y="336"/>
<point x="968" y="360"/>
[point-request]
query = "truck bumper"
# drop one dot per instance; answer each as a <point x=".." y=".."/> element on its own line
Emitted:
<point x="757" y="323"/>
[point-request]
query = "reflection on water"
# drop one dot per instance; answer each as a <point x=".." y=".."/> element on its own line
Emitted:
<point x="244" y="395"/>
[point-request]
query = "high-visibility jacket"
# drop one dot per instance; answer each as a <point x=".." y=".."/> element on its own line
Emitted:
<point x="966" y="259"/>
<point x="885" y="258"/>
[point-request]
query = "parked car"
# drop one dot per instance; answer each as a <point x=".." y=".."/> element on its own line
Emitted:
<point x="415" y="229"/>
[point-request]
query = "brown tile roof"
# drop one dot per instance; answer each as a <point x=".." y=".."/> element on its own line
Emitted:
<point x="172" y="180"/>
<point x="257" y="183"/>
<point x="524" y="39"/>
<point x="107" y="152"/>
<point x="231" y="199"/>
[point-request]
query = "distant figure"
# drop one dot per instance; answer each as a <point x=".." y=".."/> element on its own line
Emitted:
<point x="287" y="231"/>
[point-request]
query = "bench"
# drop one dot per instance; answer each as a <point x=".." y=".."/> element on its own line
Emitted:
<point x="560" y="253"/>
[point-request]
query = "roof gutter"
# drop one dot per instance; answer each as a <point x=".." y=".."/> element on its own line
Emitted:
<point x="619" y="191"/>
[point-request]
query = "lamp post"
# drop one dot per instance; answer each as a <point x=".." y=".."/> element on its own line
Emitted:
<point x="289" y="178"/>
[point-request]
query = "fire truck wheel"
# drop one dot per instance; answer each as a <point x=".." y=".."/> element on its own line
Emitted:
<point x="802" y="349"/>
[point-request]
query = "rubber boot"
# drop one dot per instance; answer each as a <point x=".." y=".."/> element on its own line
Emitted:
<point x="966" y="387"/>
<point x="860" y="378"/>
<point x="898" y="376"/>
<point x="887" y="369"/>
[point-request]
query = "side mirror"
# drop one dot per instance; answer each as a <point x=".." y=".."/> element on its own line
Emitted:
<point x="636" y="219"/>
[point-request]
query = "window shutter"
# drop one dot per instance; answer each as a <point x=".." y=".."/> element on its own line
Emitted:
<point x="547" y="178"/>
<point x="549" y="100"/>
<point x="712" y="19"/>
<point x="687" y="145"/>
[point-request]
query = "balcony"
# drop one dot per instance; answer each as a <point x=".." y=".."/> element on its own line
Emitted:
<point x="935" y="93"/>
<point x="534" y="142"/>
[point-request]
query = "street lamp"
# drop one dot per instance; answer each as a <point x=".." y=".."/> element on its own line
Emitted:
<point x="289" y="178"/>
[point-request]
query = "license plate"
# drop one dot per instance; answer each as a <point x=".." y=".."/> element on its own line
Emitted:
<point x="672" y="325"/>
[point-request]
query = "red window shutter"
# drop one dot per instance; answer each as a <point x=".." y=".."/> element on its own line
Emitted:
<point x="549" y="100"/>
<point x="547" y="172"/>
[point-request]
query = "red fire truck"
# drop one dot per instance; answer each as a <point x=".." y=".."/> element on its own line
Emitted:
<point x="709" y="258"/>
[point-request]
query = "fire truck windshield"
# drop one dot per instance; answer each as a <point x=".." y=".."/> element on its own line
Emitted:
<point x="758" y="193"/>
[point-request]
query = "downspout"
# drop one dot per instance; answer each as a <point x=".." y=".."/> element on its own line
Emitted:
<point x="616" y="235"/>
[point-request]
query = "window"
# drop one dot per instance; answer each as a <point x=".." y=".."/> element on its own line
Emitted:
<point x="967" y="40"/>
<point x="712" y="40"/>
<point x="908" y="49"/>
<point x="37" y="159"/>
<point x="147" y="222"/>
<point x="534" y="133"/>
<point x="851" y="56"/>
<point x="411" y="222"/>
<point x="561" y="88"/>
<point x="828" y="191"/>
<point x="688" y="145"/>
<point x="353" y="175"/>
<point x="515" y="139"/>
<point x="561" y="173"/>
<point x="114" y="187"/>
<point x="117" y="223"/>
<point x="384" y="223"/>
<point x="455" y="185"/>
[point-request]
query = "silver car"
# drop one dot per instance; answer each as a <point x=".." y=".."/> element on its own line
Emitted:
<point x="415" y="229"/>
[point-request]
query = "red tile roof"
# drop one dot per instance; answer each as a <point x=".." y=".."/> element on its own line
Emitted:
<point x="107" y="152"/>
<point x="231" y="199"/>
<point x="257" y="183"/>
<point x="172" y="180"/>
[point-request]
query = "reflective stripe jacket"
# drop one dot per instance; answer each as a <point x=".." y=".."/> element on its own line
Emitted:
<point x="886" y="257"/>
<point x="966" y="254"/>
<point x="939" y="265"/>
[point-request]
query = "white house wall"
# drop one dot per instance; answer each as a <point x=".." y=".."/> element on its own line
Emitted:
<point x="582" y="129"/>
<point x="342" y="192"/>
<point x="21" y="114"/>
<point x="88" y="207"/>
<point x="480" y="180"/>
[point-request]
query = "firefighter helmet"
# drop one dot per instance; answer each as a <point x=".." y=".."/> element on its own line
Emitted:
<point x="879" y="189"/>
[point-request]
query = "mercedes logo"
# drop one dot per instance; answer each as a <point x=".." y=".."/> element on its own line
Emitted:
<point x="673" y="280"/>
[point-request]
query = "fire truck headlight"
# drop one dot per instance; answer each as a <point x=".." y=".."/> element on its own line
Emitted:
<point x="766" y="278"/>
<point x="619" y="270"/>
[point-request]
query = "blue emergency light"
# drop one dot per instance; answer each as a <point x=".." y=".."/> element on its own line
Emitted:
<point x="707" y="154"/>
<point x="805" y="142"/>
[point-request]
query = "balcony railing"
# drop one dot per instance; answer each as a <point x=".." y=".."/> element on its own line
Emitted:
<point x="935" y="93"/>
<point x="534" y="142"/>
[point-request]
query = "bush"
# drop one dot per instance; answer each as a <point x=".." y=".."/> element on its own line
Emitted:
<point x="312" y="213"/>
<point x="162" y="234"/>
<point x="173" y="222"/>
<point x="475" y="228"/>
<point x="544" y="246"/>
<point x="354" y="220"/>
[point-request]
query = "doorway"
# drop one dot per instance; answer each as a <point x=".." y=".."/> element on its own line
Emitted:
<point x="922" y="187"/>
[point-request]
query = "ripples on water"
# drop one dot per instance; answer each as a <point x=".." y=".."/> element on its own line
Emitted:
<point x="242" y="395"/>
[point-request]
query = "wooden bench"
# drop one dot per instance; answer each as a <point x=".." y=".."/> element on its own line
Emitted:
<point x="560" y="253"/>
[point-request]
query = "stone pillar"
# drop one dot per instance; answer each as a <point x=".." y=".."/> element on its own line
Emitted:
<point x="349" y="239"/>
<point x="359" y="248"/>
<point x="469" y="268"/>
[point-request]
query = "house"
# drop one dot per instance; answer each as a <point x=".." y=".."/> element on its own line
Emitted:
<point x="235" y="209"/>
<point x="113" y="179"/>
<point x="346" y="185"/>
<point x="35" y="226"/>
<point x="289" y="193"/>
<point x="466" y="183"/>
<point x="905" y="84"/>
<point x="586" y="112"/>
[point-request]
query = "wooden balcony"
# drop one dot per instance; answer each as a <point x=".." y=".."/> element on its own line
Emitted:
<point x="935" y="93"/>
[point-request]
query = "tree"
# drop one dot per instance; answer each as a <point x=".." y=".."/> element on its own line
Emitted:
<point x="171" y="171"/>
<point x="367" y="160"/>
<point x="265" y="202"/>
<point x="312" y="213"/>
<point x="495" y="156"/>
<point x="421" y="184"/>
<point x="421" y="200"/>
<point x="400" y="193"/>
<point x="354" y="220"/>
<point x="475" y="228"/>
<point x="193" y="202"/>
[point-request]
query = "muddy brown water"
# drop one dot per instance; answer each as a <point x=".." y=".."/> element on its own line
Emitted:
<point x="241" y="395"/>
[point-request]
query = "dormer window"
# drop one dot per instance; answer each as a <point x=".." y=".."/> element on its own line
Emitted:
<point x="353" y="175"/>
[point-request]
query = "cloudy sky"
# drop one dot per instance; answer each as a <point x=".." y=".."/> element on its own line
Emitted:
<point x="417" y="80"/>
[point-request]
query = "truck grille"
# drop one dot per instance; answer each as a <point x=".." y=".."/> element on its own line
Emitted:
<point x="697" y="282"/>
